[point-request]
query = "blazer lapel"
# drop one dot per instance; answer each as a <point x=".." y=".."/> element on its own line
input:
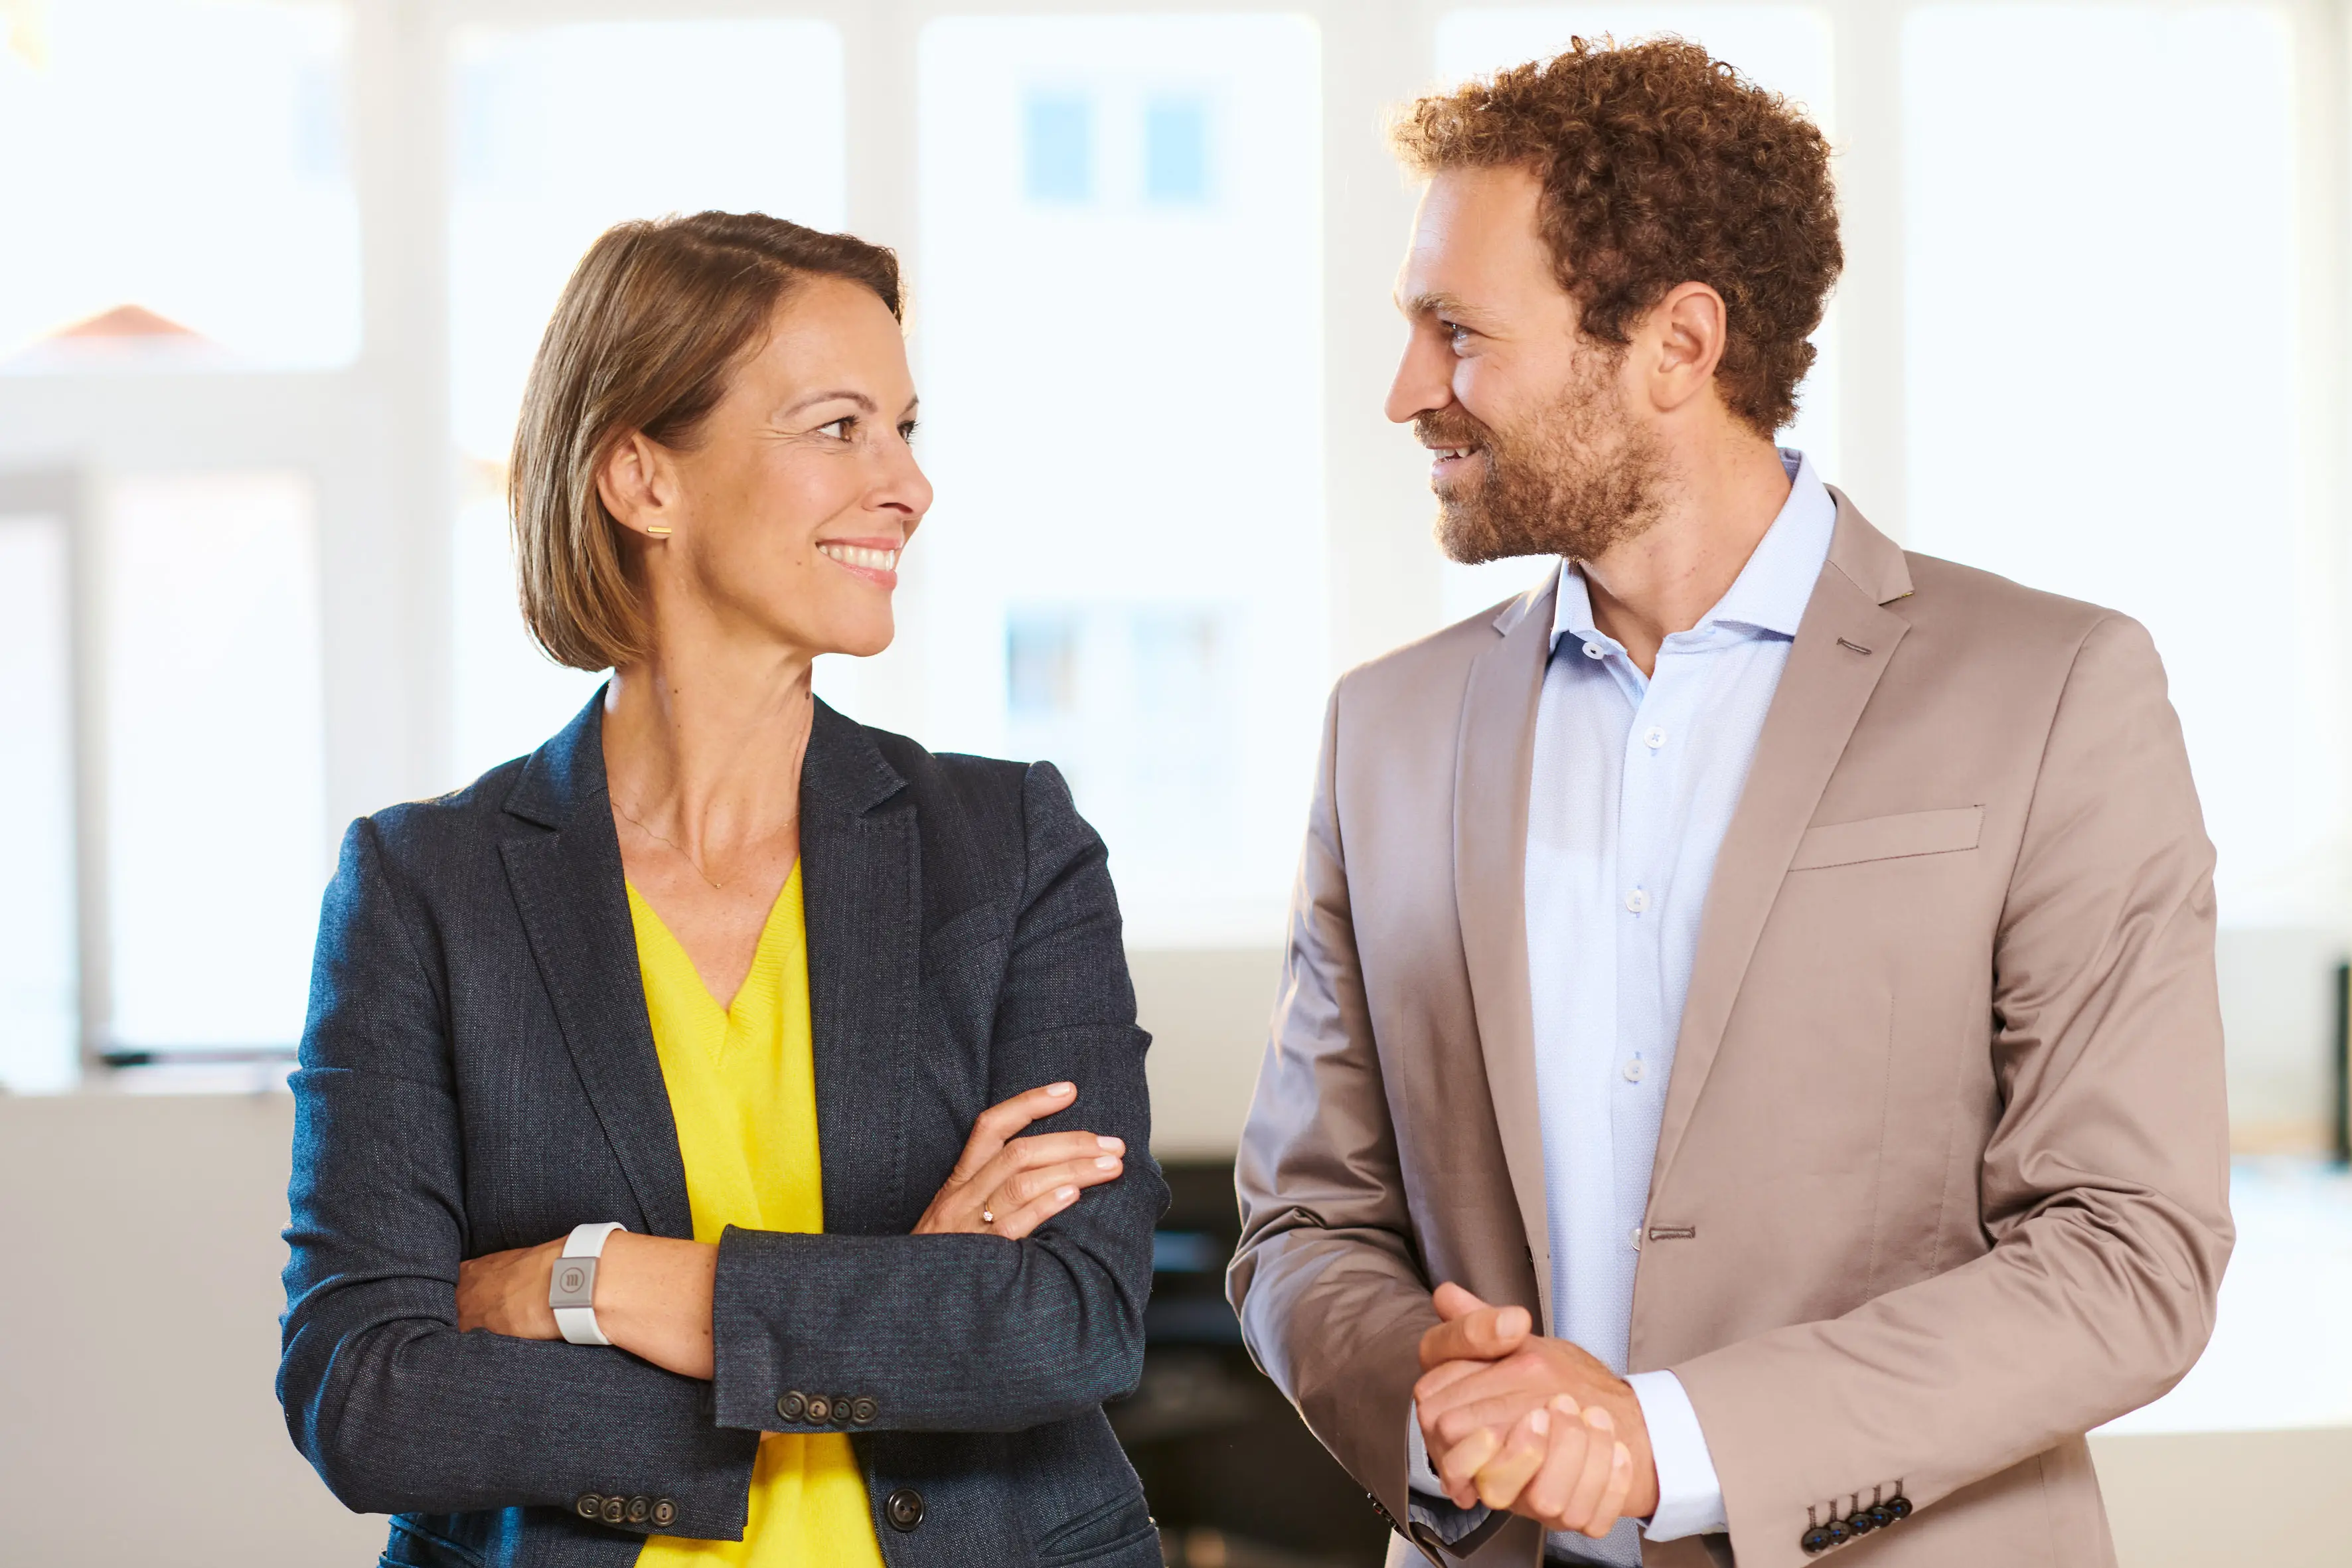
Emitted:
<point x="1492" y="762"/>
<point x="568" y="886"/>
<point x="861" y="879"/>
<point x="1841" y="648"/>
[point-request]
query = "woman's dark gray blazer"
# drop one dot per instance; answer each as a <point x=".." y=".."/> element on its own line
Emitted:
<point x="478" y="1074"/>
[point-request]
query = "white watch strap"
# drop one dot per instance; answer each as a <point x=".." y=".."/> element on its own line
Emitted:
<point x="578" y="1324"/>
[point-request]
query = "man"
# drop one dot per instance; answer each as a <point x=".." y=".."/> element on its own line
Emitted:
<point x="1778" y="967"/>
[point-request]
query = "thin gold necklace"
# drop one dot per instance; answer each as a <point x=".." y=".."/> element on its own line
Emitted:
<point x="648" y="830"/>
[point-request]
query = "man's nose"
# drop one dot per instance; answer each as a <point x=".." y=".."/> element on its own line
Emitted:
<point x="1422" y="383"/>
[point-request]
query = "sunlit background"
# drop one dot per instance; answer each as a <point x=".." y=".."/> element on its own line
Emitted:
<point x="272" y="274"/>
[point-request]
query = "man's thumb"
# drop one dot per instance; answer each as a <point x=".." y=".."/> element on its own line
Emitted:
<point x="1454" y="1303"/>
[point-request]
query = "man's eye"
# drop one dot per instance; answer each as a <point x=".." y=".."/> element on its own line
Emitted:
<point x="1455" y="333"/>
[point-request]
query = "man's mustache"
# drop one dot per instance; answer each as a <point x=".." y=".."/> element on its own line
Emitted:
<point x="1450" y="427"/>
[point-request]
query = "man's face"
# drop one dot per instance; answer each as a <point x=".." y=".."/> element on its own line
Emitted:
<point x="1537" y="448"/>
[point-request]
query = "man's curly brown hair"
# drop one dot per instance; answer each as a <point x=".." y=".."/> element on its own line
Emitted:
<point x="1661" y="165"/>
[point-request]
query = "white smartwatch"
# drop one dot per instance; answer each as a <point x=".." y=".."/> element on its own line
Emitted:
<point x="572" y="1289"/>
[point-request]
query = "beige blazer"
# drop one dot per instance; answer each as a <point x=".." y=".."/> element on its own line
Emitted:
<point x="1943" y="1177"/>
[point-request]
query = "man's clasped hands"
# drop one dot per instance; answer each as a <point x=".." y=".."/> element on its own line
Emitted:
<point x="1531" y="1425"/>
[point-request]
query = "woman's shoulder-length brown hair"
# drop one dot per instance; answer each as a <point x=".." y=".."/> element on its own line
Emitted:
<point x="651" y="325"/>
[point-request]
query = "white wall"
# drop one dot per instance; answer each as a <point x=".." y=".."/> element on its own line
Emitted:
<point x="1208" y="1013"/>
<point x="139" y="1309"/>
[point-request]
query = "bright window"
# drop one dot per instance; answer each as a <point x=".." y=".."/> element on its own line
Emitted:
<point x="2101" y="397"/>
<point x="1125" y="569"/>
<point x="183" y="163"/>
<point x="687" y="116"/>
<point x="39" y="1007"/>
<point x="1176" y="150"/>
<point x="216" y="829"/>
<point x="1784" y="47"/>
<point x="1058" y="147"/>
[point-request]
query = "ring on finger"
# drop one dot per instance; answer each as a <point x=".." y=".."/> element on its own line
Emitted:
<point x="986" y="1217"/>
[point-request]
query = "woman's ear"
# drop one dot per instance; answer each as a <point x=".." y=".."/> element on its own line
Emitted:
<point x="638" y="486"/>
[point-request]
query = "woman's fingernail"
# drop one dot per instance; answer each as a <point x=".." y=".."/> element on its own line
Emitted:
<point x="1539" y="1422"/>
<point x="1106" y="1163"/>
<point x="1059" y="1089"/>
<point x="1065" y="1193"/>
<point x="1116" y="1145"/>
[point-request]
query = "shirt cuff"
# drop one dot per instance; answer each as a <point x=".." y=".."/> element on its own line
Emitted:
<point x="1690" y="1498"/>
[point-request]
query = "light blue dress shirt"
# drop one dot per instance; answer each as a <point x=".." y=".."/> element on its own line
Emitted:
<point x="1635" y="779"/>
<point x="1634" y="783"/>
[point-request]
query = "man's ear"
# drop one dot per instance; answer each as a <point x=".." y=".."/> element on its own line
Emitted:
<point x="638" y="486"/>
<point x="1683" y="338"/>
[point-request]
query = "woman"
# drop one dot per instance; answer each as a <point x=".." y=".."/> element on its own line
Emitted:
<point x="770" y="992"/>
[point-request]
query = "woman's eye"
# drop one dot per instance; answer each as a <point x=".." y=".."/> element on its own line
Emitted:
<point x="906" y="431"/>
<point x="839" y="429"/>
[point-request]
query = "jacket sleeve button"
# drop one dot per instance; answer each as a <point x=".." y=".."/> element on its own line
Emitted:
<point x="664" y="1512"/>
<point x="903" y="1509"/>
<point x="1839" y="1533"/>
<point x="616" y="1510"/>
<point x="1881" y="1515"/>
<point x="863" y="1411"/>
<point x="639" y="1508"/>
<point x="819" y="1409"/>
<point x="589" y="1505"/>
<point x="792" y="1406"/>
<point x="842" y="1405"/>
<point x="1815" y="1542"/>
<point x="1899" y="1505"/>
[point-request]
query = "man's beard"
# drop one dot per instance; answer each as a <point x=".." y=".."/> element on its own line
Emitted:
<point x="1577" y="478"/>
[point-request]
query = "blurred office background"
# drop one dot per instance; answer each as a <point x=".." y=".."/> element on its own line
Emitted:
<point x="271" y="272"/>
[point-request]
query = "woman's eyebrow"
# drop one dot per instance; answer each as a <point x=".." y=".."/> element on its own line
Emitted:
<point x="813" y="398"/>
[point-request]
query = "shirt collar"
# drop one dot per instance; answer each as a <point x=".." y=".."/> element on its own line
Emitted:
<point x="1771" y="591"/>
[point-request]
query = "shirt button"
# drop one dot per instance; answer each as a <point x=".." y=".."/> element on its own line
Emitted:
<point x="1636" y="1238"/>
<point x="1634" y="1071"/>
<point x="1655" y="739"/>
<point x="1592" y="650"/>
<point x="1637" y="901"/>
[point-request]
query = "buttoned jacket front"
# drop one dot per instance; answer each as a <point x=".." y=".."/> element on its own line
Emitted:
<point x="1941" y="1182"/>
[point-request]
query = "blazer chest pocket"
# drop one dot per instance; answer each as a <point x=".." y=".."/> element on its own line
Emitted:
<point x="1898" y="837"/>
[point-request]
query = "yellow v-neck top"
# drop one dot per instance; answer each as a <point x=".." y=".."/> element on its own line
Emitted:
<point x="742" y="1089"/>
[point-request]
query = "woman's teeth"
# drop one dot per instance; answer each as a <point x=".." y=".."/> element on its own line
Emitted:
<point x="858" y="556"/>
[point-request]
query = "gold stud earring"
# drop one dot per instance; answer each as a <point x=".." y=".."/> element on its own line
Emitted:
<point x="656" y="530"/>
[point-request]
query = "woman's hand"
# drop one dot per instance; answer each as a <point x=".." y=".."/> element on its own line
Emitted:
<point x="505" y="1292"/>
<point x="653" y="1296"/>
<point x="1008" y="1187"/>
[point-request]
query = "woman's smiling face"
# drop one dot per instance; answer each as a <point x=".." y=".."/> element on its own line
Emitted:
<point x="789" y="509"/>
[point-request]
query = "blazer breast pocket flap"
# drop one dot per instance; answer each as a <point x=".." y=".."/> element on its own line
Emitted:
<point x="1889" y="837"/>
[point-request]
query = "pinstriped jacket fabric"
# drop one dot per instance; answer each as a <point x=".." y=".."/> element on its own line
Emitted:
<point x="479" y="1073"/>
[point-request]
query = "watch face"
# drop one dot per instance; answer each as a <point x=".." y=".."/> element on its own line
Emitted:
<point x="573" y="1283"/>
